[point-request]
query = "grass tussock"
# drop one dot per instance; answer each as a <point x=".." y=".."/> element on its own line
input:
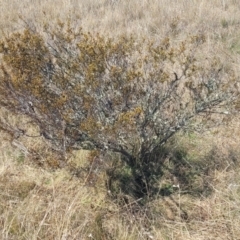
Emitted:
<point x="38" y="203"/>
<point x="198" y="190"/>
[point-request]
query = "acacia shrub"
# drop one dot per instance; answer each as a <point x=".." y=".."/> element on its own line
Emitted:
<point x="128" y="96"/>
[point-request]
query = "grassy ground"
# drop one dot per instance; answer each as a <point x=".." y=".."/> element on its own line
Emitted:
<point x="39" y="203"/>
<point x="39" y="200"/>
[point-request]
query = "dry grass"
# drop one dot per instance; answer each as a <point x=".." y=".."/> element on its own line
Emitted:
<point x="218" y="18"/>
<point x="36" y="203"/>
<point x="40" y="202"/>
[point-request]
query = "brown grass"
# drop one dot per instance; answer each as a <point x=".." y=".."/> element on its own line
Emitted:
<point x="36" y="203"/>
<point x="40" y="201"/>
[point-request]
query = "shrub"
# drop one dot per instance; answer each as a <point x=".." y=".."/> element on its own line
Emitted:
<point x="128" y="96"/>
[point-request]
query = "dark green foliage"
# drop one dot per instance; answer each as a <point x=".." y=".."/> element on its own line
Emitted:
<point x="168" y="171"/>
